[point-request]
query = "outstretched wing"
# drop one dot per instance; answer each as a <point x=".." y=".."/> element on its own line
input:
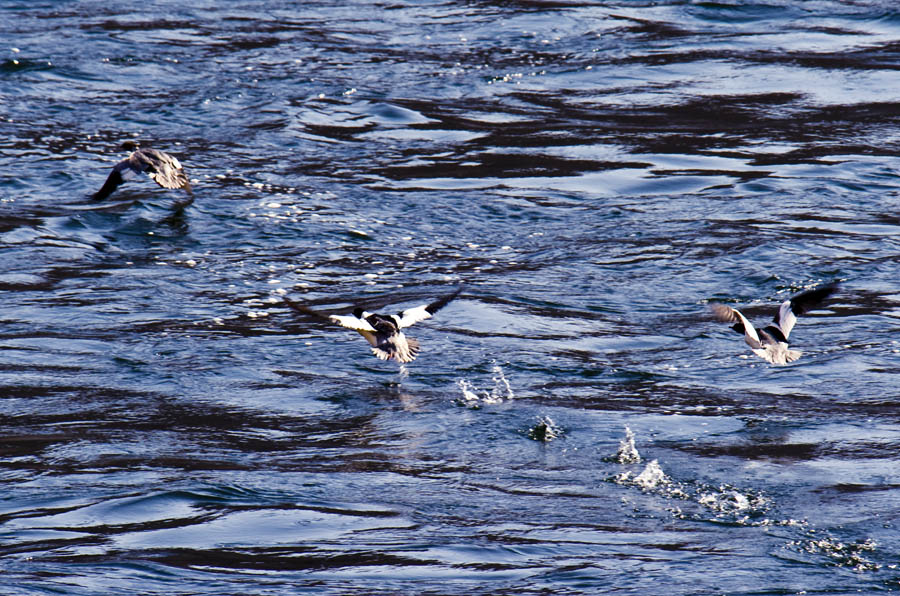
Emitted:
<point x="348" y="321"/>
<point x="412" y="316"/>
<point x="163" y="168"/>
<point x="800" y="304"/>
<point x="351" y="322"/>
<point x="112" y="183"/>
<point x="303" y="309"/>
<point x="726" y="314"/>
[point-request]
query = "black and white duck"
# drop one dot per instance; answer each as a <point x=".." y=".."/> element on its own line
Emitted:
<point x="384" y="332"/>
<point x="771" y="342"/>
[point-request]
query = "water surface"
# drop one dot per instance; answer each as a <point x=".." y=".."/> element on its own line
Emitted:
<point x="594" y="173"/>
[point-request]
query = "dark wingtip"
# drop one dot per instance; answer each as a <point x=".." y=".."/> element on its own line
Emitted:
<point x="804" y="301"/>
<point x="303" y="309"/>
<point x="829" y="288"/>
<point x="442" y="302"/>
<point x="112" y="183"/>
<point x="294" y="305"/>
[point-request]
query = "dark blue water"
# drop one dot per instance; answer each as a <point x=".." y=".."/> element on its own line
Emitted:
<point x="593" y="173"/>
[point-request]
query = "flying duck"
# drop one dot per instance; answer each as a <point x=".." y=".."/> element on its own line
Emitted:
<point x="383" y="332"/>
<point x="771" y="342"/>
<point x="164" y="169"/>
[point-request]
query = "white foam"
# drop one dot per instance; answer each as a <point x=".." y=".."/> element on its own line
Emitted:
<point x="628" y="453"/>
<point x="728" y="501"/>
<point x="652" y="476"/>
<point x="840" y="554"/>
<point x="500" y="392"/>
<point x="471" y="395"/>
<point x="467" y="390"/>
<point x="501" y="388"/>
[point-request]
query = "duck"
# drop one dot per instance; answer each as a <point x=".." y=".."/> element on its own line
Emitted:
<point x="384" y="332"/>
<point x="163" y="168"/>
<point x="771" y="342"/>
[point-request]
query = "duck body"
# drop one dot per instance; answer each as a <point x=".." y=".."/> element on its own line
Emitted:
<point x="383" y="332"/>
<point x="161" y="167"/>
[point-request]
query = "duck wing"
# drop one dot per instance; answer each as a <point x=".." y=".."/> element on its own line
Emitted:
<point x="162" y="168"/>
<point x="113" y="181"/>
<point x="800" y="304"/>
<point x="303" y="309"/>
<point x="726" y="314"/>
<point x="352" y="322"/>
<point x="412" y="316"/>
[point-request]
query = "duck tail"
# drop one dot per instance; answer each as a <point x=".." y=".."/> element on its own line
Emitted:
<point x="792" y="355"/>
<point x="414" y="347"/>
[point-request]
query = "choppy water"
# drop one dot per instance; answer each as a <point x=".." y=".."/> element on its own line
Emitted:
<point x="593" y="172"/>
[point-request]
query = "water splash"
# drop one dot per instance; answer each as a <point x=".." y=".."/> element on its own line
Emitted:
<point x="501" y="388"/>
<point x="545" y="430"/>
<point x="628" y="453"/>
<point x="469" y="397"/>
<point x="501" y="391"/>
<point x="728" y="504"/>
<point x="652" y="477"/>
<point x="725" y="500"/>
<point x="839" y="554"/>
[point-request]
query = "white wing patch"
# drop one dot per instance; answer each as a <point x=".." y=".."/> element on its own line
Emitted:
<point x="351" y="322"/>
<point x="412" y="316"/>
<point x="162" y="168"/>
<point x="726" y="314"/>
<point x="750" y="334"/>
<point x="786" y="318"/>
